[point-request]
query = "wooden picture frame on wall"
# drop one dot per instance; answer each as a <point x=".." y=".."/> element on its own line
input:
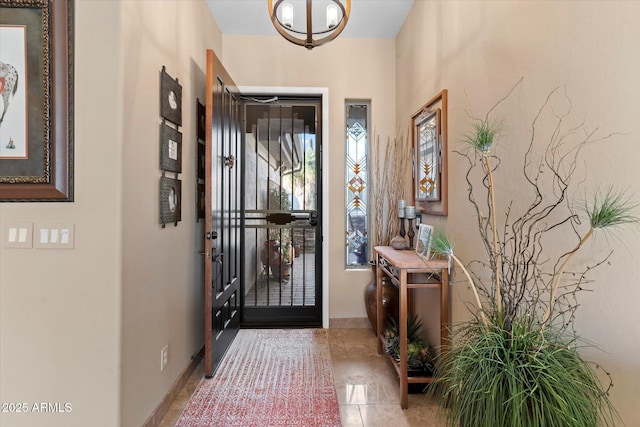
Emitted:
<point x="170" y="98"/>
<point x="36" y="132"/>
<point x="200" y="120"/>
<point x="170" y="200"/>
<point x="429" y="141"/>
<point x="170" y="148"/>
<point x="200" y="200"/>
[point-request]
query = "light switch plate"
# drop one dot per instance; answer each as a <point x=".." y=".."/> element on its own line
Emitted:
<point x="18" y="235"/>
<point x="54" y="236"/>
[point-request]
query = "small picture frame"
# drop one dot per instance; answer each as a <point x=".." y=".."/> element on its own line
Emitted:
<point x="200" y="200"/>
<point x="200" y="120"/>
<point x="170" y="148"/>
<point x="170" y="98"/>
<point x="423" y="244"/>
<point x="170" y="200"/>
<point x="202" y="160"/>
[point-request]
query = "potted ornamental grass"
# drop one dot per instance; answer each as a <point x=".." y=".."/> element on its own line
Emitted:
<point x="517" y="362"/>
<point x="420" y="353"/>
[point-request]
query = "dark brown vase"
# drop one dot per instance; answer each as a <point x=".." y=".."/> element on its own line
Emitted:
<point x="389" y="299"/>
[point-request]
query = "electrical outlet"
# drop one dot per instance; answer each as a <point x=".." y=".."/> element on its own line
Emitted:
<point x="164" y="357"/>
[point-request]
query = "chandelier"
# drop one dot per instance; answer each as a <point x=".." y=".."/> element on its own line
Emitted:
<point x="309" y="32"/>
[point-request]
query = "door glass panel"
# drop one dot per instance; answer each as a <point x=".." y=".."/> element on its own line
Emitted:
<point x="281" y="209"/>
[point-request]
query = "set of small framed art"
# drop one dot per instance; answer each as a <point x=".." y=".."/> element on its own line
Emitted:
<point x="201" y="159"/>
<point x="170" y="149"/>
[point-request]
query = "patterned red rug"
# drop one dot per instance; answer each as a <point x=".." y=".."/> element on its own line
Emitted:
<point x="269" y="377"/>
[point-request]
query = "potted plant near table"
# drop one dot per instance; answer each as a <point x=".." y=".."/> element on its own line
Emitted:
<point x="420" y="353"/>
<point x="517" y="362"/>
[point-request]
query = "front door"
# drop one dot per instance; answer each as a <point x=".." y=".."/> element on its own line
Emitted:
<point x="282" y="257"/>
<point x="222" y="213"/>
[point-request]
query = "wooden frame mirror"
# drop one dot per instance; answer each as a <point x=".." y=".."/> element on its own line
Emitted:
<point x="429" y="141"/>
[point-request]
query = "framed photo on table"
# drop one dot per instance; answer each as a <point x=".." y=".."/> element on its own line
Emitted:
<point x="423" y="244"/>
<point x="36" y="100"/>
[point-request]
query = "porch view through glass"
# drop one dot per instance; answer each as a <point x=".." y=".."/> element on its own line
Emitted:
<point x="280" y="206"/>
<point x="357" y="185"/>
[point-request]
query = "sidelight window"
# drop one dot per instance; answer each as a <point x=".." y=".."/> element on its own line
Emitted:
<point x="357" y="183"/>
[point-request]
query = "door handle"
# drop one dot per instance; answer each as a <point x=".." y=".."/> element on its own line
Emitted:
<point x="313" y="219"/>
<point x="205" y="253"/>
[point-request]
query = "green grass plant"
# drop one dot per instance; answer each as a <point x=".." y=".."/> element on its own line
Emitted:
<point x="517" y="363"/>
<point x="523" y="378"/>
<point x="483" y="135"/>
<point x="610" y="208"/>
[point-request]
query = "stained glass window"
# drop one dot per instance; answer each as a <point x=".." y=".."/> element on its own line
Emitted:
<point x="356" y="182"/>
<point x="428" y="179"/>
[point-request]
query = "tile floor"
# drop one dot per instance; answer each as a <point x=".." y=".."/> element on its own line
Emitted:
<point x="367" y="387"/>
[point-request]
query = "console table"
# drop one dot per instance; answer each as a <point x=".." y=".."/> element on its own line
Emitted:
<point x="404" y="268"/>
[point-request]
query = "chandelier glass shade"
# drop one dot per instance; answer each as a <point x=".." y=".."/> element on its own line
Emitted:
<point x="306" y="29"/>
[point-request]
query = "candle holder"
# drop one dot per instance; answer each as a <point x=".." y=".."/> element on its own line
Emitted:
<point x="402" y="204"/>
<point x="410" y="232"/>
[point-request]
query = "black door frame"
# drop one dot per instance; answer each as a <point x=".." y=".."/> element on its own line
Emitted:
<point x="323" y="94"/>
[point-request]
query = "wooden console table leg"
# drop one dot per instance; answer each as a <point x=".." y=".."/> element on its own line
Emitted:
<point x="379" y="312"/>
<point x="404" y="383"/>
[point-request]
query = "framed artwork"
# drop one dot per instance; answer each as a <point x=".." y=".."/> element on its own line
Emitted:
<point x="200" y="200"/>
<point x="170" y="98"/>
<point x="170" y="200"/>
<point x="170" y="148"/>
<point x="36" y="100"/>
<point x="423" y="243"/>
<point x="200" y="120"/>
<point x="430" y="174"/>
<point x="202" y="160"/>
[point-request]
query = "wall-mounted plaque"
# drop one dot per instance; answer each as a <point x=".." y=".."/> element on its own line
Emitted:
<point x="170" y="98"/>
<point x="170" y="148"/>
<point x="170" y="200"/>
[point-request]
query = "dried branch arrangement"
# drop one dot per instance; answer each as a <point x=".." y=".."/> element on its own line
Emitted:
<point x="388" y="182"/>
<point x="524" y="296"/>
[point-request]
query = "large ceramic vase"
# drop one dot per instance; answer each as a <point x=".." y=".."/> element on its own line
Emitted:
<point x="389" y="299"/>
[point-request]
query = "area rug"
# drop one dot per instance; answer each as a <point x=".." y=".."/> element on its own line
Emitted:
<point x="269" y="377"/>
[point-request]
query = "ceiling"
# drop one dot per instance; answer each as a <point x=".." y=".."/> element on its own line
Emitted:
<point x="369" y="18"/>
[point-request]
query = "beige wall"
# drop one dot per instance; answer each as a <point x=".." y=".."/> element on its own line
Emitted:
<point x="350" y="69"/>
<point x="60" y="309"/>
<point x="479" y="50"/>
<point x="162" y="297"/>
<point x="86" y="326"/>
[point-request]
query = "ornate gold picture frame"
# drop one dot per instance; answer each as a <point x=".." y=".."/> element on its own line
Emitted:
<point x="36" y="98"/>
